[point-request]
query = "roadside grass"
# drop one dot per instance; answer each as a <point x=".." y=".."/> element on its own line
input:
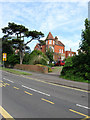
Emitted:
<point x="14" y="71"/>
<point x="74" y="78"/>
<point x="55" y="68"/>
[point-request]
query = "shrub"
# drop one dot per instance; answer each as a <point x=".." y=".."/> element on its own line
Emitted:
<point x="49" y="69"/>
<point x="37" y="57"/>
<point x="12" y="60"/>
<point x="76" y="67"/>
<point x="51" y="64"/>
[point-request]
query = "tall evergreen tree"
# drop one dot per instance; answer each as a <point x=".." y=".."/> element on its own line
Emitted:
<point x="85" y="44"/>
<point x="20" y="32"/>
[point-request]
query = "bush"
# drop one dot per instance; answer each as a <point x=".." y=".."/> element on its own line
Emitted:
<point x="76" y="67"/>
<point x="26" y="58"/>
<point x="37" y="57"/>
<point x="49" y="69"/>
<point x="12" y="60"/>
<point x="51" y="64"/>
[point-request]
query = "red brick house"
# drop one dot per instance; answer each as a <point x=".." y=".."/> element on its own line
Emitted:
<point x="69" y="53"/>
<point x="57" y="46"/>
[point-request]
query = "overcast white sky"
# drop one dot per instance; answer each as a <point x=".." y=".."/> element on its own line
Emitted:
<point x="64" y="19"/>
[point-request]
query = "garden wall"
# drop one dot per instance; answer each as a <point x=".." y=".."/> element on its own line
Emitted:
<point x="35" y="68"/>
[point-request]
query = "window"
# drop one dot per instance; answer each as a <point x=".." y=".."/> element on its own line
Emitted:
<point x="46" y="42"/>
<point x="59" y="50"/>
<point x="53" y="42"/>
<point x="53" y="56"/>
<point x="50" y="48"/>
<point x="53" y="49"/>
<point x="50" y="41"/>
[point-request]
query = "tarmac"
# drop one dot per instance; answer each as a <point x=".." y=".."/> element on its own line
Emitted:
<point x="55" y="78"/>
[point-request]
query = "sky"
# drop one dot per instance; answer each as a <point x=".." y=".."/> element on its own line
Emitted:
<point x="64" y="19"/>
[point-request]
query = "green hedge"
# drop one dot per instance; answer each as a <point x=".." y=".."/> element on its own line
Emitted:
<point x="76" y="68"/>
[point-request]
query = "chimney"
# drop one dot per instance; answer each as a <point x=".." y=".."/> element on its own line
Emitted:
<point x="56" y="39"/>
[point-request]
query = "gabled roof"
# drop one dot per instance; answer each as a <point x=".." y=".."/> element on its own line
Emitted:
<point x="60" y="43"/>
<point x="50" y="37"/>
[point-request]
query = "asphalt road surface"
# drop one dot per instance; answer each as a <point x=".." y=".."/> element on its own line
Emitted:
<point x="26" y="97"/>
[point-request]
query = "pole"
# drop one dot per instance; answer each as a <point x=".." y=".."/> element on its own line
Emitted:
<point x="3" y="64"/>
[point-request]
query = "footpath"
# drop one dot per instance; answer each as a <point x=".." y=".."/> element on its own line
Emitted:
<point x="54" y="78"/>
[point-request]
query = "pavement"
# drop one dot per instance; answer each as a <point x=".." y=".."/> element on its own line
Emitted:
<point x="54" y="78"/>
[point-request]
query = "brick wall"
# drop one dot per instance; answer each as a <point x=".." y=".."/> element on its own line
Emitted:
<point x="70" y="53"/>
<point x="57" y="47"/>
<point x="35" y="68"/>
<point x="44" y="49"/>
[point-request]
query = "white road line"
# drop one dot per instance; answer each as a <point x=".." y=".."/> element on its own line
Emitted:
<point x="8" y="80"/>
<point x="36" y="90"/>
<point x="82" y="106"/>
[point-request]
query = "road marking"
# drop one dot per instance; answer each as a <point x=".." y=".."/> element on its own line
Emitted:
<point x="1" y="81"/>
<point x="36" y="90"/>
<point x="5" y="114"/>
<point x="47" y="101"/>
<point x="28" y="93"/>
<point x="3" y="84"/>
<point x="82" y="106"/>
<point x="79" y="113"/>
<point x="57" y="84"/>
<point x="51" y="83"/>
<point x="8" y="80"/>
<point x="16" y="88"/>
<point x="86" y="118"/>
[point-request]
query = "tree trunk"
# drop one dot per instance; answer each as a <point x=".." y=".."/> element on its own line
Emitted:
<point x="21" y="56"/>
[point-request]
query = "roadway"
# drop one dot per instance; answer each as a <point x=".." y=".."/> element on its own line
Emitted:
<point x="26" y="97"/>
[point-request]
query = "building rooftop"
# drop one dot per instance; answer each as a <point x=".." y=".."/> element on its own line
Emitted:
<point x="50" y="37"/>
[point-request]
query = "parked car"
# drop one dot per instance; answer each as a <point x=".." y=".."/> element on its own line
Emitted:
<point x="60" y="63"/>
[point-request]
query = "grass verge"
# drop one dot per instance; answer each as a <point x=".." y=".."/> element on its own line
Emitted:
<point x="56" y="68"/>
<point x="15" y="71"/>
<point x="75" y="78"/>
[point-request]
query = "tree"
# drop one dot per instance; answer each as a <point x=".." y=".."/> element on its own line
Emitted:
<point x="38" y="57"/>
<point x="42" y="42"/>
<point x="20" y="32"/>
<point x="85" y="44"/>
<point x="78" y="67"/>
<point x="49" y="54"/>
<point x="7" y="46"/>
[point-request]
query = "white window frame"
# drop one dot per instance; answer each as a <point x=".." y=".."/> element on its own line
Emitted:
<point x="53" y="49"/>
<point x="50" y="41"/>
<point x="62" y="50"/>
<point x="59" y="50"/>
<point x="53" y="42"/>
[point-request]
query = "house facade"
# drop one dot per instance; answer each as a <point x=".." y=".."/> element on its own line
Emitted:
<point x="56" y="45"/>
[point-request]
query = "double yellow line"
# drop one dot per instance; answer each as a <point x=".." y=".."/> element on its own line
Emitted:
<point x="5" y="114"/>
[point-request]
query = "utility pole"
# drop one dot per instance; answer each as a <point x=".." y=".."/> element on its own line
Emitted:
<point x="89" y="10"/>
